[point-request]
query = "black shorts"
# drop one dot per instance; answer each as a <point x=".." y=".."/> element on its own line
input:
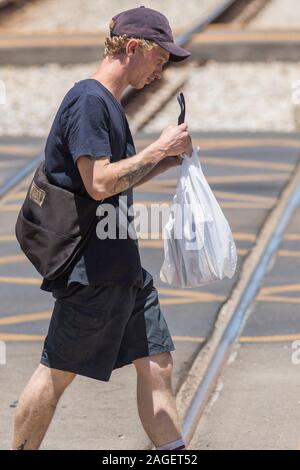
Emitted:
<point x="96" y="329"/>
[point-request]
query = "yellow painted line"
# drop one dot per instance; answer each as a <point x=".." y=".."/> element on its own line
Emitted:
<point x="244" y="205"/>
<point x="12" y="259"/>
<point x="219" y="194"/>
<point x="292" y="236"/>
<point x="164" y="186"/>
<point x="247" y="204"/>
<point x="13" y="37"/>
<point x="241" y="236"/>
<point x="20" y="280"/>
<point x="231" y="143"/>
<point x="238" y="27"/>
<point x="158" y="245"/>
<point x="238" y="236"/>
<point x="244" y="339"/>
<point x="16" y="196"/>
<point x="172" y="182"/>
<point x="36" y="281"/>
<point x="190" y="339"/>
<point x="19" y="150"/>
<point x="20" y="337"/>
<point x="33" y="317"/>
<point x="269" y="339"/>
<point x="186" y="300"/>
<point x="158" y="186"/>
<point x="179" y="297"/>
<point x="231" y="204"/>
<point x="278" y="298"/>
<point x="247" y="178"/>
<point x="180" y="292"/>
<point x="225" y="204"/>
<point x="158" y="236"/>
<point x="154" y="188"/>
<point x="210" y="144"/>
<point x="49" y="40"/>
<point x="24" y="183"/>
<point x="201" y="296"/>
<point x="280" y="288"/>
<point x="238" y="162"/>
<point x="28" y="317"/>
<point x="27" y="337"/>
<point x="7" y="238"/>
<point x="152" y="204"/>
<point x="231" y="36"/>
<point x="289" y="253"/>
<point x="10" y="164"/>
<point x="245" y="197"/>
<point x="10" y="207"/>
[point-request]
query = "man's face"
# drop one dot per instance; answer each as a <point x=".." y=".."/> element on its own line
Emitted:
<point x="146" y="66"/>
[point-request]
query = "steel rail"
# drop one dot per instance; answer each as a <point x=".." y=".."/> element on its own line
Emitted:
<point x="223" y="348"/>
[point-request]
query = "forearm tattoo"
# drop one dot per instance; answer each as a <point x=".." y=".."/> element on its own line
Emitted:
<point x="133" y="176"/>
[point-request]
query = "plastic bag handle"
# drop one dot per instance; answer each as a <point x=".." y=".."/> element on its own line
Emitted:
<point x="181" y="102"/>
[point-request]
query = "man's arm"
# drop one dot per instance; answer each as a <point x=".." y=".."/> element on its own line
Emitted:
<point x="103" y="179"/>
<point x="161" y="167"/>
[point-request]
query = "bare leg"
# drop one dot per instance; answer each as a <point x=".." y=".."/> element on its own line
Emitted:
<point x="37" y="405"/>
<point x="155" y="398"/>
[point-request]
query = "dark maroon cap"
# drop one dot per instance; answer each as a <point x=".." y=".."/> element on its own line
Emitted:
<point x="145" y="23"/>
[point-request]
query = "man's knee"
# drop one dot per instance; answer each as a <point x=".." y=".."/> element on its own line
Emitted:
<point x="158" y="367"/>
<point x="54" y="379"/>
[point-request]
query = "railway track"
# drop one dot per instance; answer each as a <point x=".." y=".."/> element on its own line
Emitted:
<point x="233" y="314"/>
<point x="212" y="38"/>
<point x="25" y="50"/>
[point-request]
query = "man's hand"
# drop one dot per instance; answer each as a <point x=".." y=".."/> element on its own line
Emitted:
<point x="165" y="164"/>
<point x="175" y="140"/>
<point x="171" y="161"/>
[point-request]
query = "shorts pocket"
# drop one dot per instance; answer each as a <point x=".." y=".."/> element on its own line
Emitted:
<point x="77" y="333"/>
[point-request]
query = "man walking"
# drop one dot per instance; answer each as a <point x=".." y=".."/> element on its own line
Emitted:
<point x="106" y="313"/>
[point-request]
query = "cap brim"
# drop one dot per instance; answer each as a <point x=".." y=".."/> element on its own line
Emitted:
<point x="176" y="53"/>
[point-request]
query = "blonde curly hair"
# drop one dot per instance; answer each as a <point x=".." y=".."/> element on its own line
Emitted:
<point x="117" y="45"/>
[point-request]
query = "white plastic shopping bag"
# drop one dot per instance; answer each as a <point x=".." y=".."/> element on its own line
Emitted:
<point x="198" y="243"/>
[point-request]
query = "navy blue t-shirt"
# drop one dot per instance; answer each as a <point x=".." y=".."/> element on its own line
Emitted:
<point x="90" y="121"/>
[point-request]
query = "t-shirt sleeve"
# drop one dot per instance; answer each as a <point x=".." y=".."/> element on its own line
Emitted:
<point x="86" y="129"/>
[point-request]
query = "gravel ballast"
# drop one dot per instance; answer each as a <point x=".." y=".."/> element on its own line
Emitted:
<point x="278" y="14"/>
<point x="94" y="15"/>
<point x="233" y="97"/>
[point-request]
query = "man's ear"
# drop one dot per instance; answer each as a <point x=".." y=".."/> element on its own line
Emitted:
<point x="132" y="46"/>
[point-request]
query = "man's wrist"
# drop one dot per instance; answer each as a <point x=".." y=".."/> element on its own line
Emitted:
<point x="159" y="150"/>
